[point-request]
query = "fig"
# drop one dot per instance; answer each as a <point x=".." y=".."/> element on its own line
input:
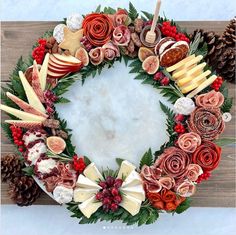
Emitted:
<point x="56" y="144"/>
<point x="82" y="55"/>
<point x="144" y="52"/>
<point x="29" y="71"/>
<point x="151" y="64"/>
<point x="162" y="41"/>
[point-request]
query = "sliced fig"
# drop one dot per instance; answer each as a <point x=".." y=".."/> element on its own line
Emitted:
<point x="144" y="52"/>
<point x="163" y="40"/>
<point x="184" y="46"/>
<point x="25" y="124"/>
<point x="28" y="73"/>
<point x="151" y="64"/>
<point x="56" y="144"/>
<point x="171" y="56"/>
<point x="82" y="55"/>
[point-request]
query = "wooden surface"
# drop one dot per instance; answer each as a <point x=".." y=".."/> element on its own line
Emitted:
<point x="17" y="39"/>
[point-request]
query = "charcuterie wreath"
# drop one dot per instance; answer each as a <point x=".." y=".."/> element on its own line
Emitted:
<point x="81" y="47"/>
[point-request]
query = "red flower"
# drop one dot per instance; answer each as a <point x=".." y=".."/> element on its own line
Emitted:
<point x="39" y="51"/>
<point x="79" y="164"/>
<point x="207" y="156"/>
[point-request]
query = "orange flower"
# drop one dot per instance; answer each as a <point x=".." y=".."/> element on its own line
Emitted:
<point x="159" y="205"/>
<point x="170" y="206"/>
<point x="168" y="196"/>
<point x="97" y="28"/>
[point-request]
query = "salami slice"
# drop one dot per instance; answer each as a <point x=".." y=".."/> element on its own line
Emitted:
<point x="171" y="56"/>
<point x="166" y="46"/>
<point x="163" y="40"/>
<point x="183" y="46"/>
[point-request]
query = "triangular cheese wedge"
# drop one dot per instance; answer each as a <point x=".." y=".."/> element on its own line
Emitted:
<point x="89" y="206"/>
<point x="132" y="179"/>
<point x="33" y="99"/>
<point x="82" y="194"/>
<point x="85" y="182"/>
<point x="93" y="173"/>
<point x="43" y="72"/>
<point x="134" y="191"/>
<point x="21" y="114"/>
<point x="125" y="169"/>
<point x="131" y="204"/>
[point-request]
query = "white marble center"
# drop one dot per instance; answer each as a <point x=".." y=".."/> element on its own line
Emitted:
<point x="113" y="115"/>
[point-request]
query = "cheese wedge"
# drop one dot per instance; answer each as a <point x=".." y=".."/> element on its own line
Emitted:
<point x="125" y="169"/>
<point x="180" y="63"/>
<point x="191" y="86"/>
<point x="186" y="80"/>
<point x="89" y="206"/>
<point x="132" y="179"/>
<point x="33" y="99"/>
<point x="205" y="84"/>
<point x="196" y="69"/>
<point x="43" y="72"/>
<point x="135" y="191"/>
<point x="21" y="114"/>
<point x="131" y="204"/>
<point x="179" y="74"/>
<point x="84" y="182"/>
<point x="82" y="194"/>
<point x="93" y="173"/>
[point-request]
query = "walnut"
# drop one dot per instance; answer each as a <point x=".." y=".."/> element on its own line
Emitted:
<point x="62" y="134"/>
<point x="130" y="46"/>
<point x="138" y="25"/>
<point x="51" y="123"/>
<point x="136" y="40"/>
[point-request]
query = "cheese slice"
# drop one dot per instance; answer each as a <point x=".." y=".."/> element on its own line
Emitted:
<point x="33" y="99"/>
<point x="134" y="191"/>
<point x="84" y="182"/>
<point x="205" y="84"/>
<point x="89" y="206"/>
<point x="43" y="72"/>
<point x="131" y="204"/>
<point x="132" y="179"/>
<point x="179" y="74"/>
<point x="180" y="63"/>
<point x="93" y="173"/>
<point x="125" y="169"/>
<point x="196" y="69"/>
<point x="185" y="81"/>
<point x="82" y="194"/>
<point x="21" y="114"/>
<point x="191" y="86"/>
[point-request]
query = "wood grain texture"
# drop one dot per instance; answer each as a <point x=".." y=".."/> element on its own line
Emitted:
<point x="17" y="39"/>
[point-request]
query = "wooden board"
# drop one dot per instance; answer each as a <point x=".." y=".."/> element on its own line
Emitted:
<point x="17" y="39"/>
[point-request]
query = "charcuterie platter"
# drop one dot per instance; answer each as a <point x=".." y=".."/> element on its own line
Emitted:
<point x="164" y="179"/>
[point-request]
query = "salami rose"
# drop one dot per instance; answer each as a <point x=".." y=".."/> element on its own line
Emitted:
<point x="168" y="195"/>
<point x="156" y="200"/>
<point x="120" y="17"/>
<point x="212" y="99"/>
<point x="111" y="51"/>
<point x="194" y="170"/>
<point x="167" y="182"/>
<point x="150" y="173"/>
<point x="121" y="35"/>
<point x="206" y="122"/>
<point x="207" y="156"/>
<point x="96" y="55"/>
<point x="189" y="141"/>
<point x="186" y="189"/>
<point x="97" y="28"/>
<point x="174" y="162"/>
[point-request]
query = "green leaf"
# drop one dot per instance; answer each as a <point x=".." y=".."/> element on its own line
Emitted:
<point x="183" y="206"/>
<point x="225" y="141"/>
<point x="147" y="15"/>
<point x="109" y="11"/>
<point x="227" y="105"/>
<point x="62" y="100"/>
<point x="119" y="161"/>
<point x="98" y="9"/>
<point x="153" y="217"/>
<point x="147" y="159"/>
<point x="87" y="160"/>
<point x="133" y="13"/>
<point x="202" y="50"/>
<point x="7" y="131"/>
<point x="28" y="170"/>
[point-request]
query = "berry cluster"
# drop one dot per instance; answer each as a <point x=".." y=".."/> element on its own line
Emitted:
<point x="205" y="176"/>
<point x="78" y="163"/>
<point x="161" y="78"/>
<point x="50" y="99"/>
<point x="39" y="51"/>
<point x="109" y="195"/>
<point x="17" y="137"/>
<point x="169" y="30"/>
<point x="85" y="42"/>
<point x="179" y="127"/>
<point x="217" y="83"/>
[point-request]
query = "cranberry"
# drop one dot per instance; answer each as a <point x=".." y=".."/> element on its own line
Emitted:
<point x="158" y="76"/>
<point x="118" y="183"/>
<point x="118" y="198"/>
<point x="114" y="207"/>
<point x="114" y="191"/>
<point x="106" y="201"/>
<point x="106" y="192"/>
<point x="103" y="184"/>
<point x="179" y="118"/>
<point x="110" y="180"/>
<point x="165" y="81"/>
<point x="99" y="196"/>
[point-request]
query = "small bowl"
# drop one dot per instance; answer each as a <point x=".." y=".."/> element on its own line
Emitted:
<point x="143" y="36"/>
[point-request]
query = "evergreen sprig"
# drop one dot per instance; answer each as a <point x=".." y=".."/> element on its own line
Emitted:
<point x="147" y="159"/>
<point x="133" y="13"/>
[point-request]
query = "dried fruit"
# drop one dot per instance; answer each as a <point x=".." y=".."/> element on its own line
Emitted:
<point x="151" y="64"/>
<point x="144" y="52"/>
<point x="82" y="55"/>
<point x="56" y="144"/>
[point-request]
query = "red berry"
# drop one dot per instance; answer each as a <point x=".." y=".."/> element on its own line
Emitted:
<point x="99" y="196"/>
<point x="179" y="128"/>
<point x="158" y="76"/>
<point x="118" y="198"/>
<point x="106" y="201"/>
<point x="179" y="118"/>
<point x="110" y="180"/>
<point x="114" y="207"/>
<point x="21" y="150"/>
<point x="165" y="81"/>
<point x="118" y="183"/>
<point x="114" y="191"/>
<point x="103" y="184"/>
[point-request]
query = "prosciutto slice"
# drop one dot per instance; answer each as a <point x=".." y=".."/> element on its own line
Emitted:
<point x="111" y="51"/>
<point x="121" y="36"/>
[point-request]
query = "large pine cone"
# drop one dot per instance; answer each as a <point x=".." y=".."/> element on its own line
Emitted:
<point x="11" y="167"/>
<point x="229" y="33"/>
<point x="226" y="64"/>
<point x="214" y="42"/>
<point x="24" y="190"/>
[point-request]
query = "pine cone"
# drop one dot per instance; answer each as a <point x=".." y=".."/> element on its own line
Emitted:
<point x="215" y="45"/>
<point x="229" y="33"/>
<point x="226" y="64"/>
<point x="11" y="167"/>
<point x="24" y="190"/>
